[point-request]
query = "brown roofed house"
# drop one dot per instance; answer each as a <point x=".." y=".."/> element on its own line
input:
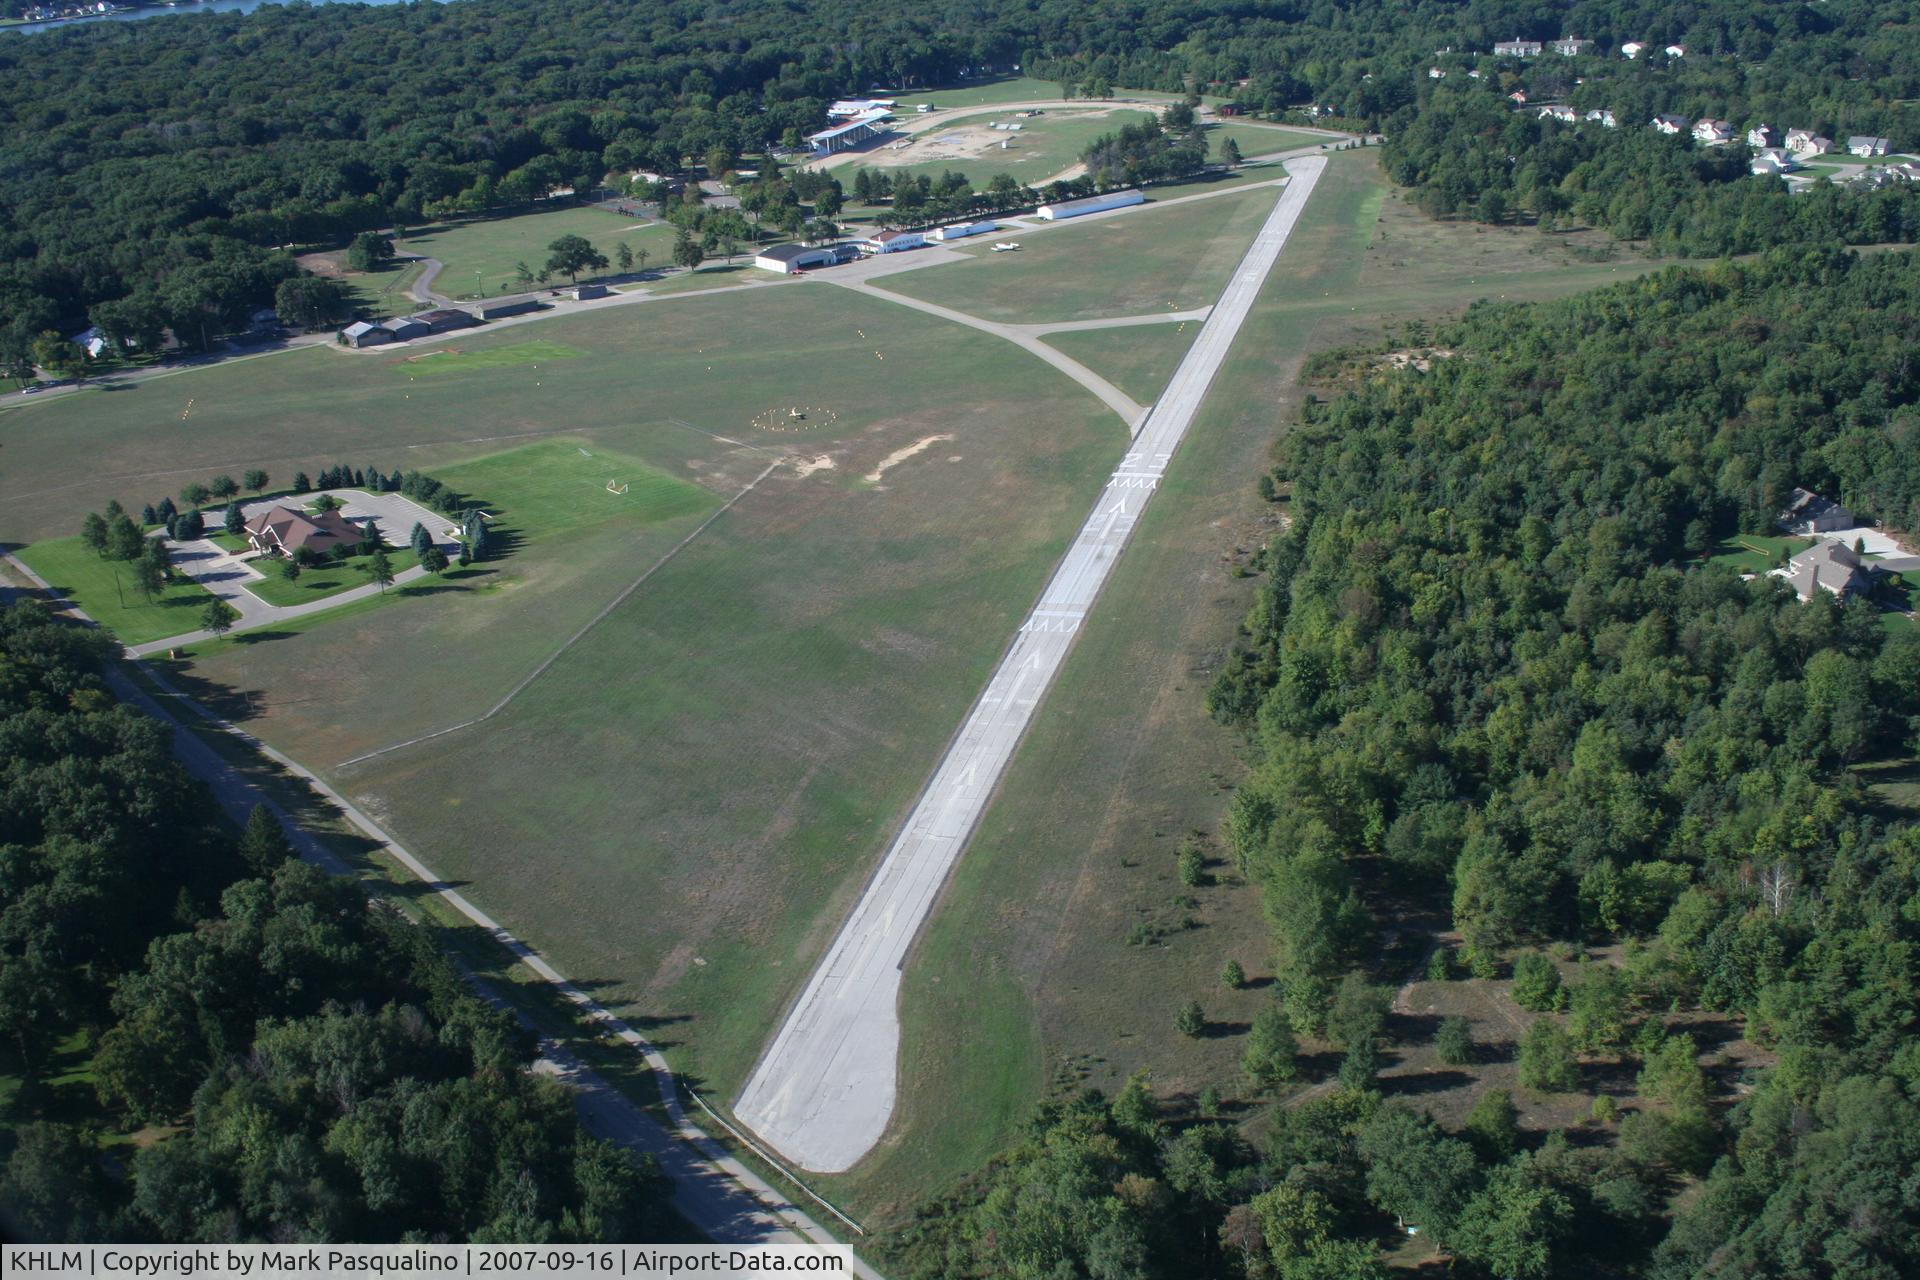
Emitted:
<point x="283" y="531"/>
<point x="1828" y="566"/>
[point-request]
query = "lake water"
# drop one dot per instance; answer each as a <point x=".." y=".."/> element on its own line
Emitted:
<point x="161" y="11"/>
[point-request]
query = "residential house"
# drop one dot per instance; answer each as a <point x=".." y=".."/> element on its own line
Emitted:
<point x="1435" y="73"/>
<point x="1573" y="48"/>
<point x="1633" y="48"/>
<point x="1676" y="51"/>
<point x="1809" y="513"/>
<point x="1518" y="97"/>
<point x="1602" y="117"/>
<point x="1559" y="112"/>
<point x="1804" y="143"/>
<point x="92" y="341"/>
<point x="1672" y="124"/>
<point x="283" y="531"/>
<point x="1714" y="133"/>
<point x="1829" y="566"/>
<point x="1517" y="49"/>
<point x="1772" y="162"/>
<point x="1861" y="145"/>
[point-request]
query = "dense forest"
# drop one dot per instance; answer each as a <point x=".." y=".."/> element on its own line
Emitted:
<point x="157" y="174"/>
<point x="1491" y="674"/>
<point x="323" y="1072"/>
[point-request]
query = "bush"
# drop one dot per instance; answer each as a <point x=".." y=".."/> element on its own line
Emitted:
<point x="1232" y="975"/>
<point x="1604" y="1110"/>
<point x="1191" y="1020"/>
<point x="1192" y="866"/>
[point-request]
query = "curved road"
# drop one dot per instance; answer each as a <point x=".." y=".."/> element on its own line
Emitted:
<point x="824" y="1091"/>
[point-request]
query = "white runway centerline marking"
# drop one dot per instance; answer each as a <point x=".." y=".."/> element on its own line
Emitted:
<point x="825" y="1088"/>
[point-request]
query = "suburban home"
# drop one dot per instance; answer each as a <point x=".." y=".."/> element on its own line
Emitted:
<point x="1602" y="117"/>
<point x="1676" y="51"/>
<point x="1435" y="73"/>
<point x="1572" y="48"/>
<point x="1827" y="566"/>
<point x="1861" y="145"/>
<point x="91" y="341"/>
<point x="1772" y="162"/>
<point x="405" y="328"/>
<point x="1558" y="112"/>
<point x="1809" y="513"/>
<point x="1518" y="97"/>
<point x="1715" y="133"/>
<point x="282" y="531"/>
<point x="1805" y="142"/>
<point x="1762" y="135"/>
<point x="1518" y="49"/>
<point x="1633" y="48"/>
<point x="1672" y="124"/>
<point x="365" y="333"/>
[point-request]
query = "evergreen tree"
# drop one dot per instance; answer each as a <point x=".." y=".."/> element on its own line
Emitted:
<point x="263" y="843"/>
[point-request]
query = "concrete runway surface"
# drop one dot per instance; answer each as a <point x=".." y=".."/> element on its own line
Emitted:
<point x="825" y="1088"/>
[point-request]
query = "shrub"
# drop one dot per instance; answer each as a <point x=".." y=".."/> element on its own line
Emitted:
<point x="1454" y="1042"/>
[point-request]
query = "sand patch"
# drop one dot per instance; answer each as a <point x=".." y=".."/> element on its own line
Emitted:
<point x="899" y="456"/>
<point x="804" y="468"/>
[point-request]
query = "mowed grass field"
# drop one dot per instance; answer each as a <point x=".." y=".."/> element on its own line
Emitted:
<point x="711" y="771"/>
<point x="1148" y="260"/>
<point x="84" y="577"/>
<point x="480" y="258"/>
<point x="1045" y="145"/>
<point x="1140" y="359"/>
<point x="1025" y="980"/>
<point x="1258" y="139"/>
<point x="980" y="93"/>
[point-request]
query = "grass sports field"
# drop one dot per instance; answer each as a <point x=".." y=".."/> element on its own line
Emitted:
<point x="1152" y="260"/>
<point x="481" y="257"/>
<point x="981" y="93"/>
<point x="1139" y="360"/>
<point x="1030" y="951"/>
<point x="1044" y="147"/>
<point x="681" y="808"/>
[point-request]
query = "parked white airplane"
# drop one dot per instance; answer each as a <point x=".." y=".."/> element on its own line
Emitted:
<point x="1007" y="247"/>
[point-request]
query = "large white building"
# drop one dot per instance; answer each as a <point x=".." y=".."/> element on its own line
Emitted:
<point x="860" y="129"/>
<point x="892" y="241"/>
<point x="792" y="259"/>
<point x="1061" y="210"/>
<point x="961" y="230"/>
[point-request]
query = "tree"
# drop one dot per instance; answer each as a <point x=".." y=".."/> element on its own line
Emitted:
<point x="93" y="533"/>
<point x="255" y="481"/>
<point x="1546" y="1058"/>
<point x="1454" y="1041"/>
<point x="223" y="486"/>
<point x="1536" y="982"/>
<point x="640" y="257"/>
<point x="234" y="521"/>
<point x="1272" y="1054"/>
<point x="1513" y="1225"/>
<point x="301" y="484"/>
<point x="434" y="560"/>
<point x="125" y="541"/>
<point x="419" y="538"/>
<point x="263" y="842"/>
<point x="58" y="356"/>
<point x="1493" y="1126"/>
<point x="369" y="251"/>
<point x="148" y="578"/>
<point x="1672" y="1075"/>
<point x="1191" y="1020"/>
<point x="195" y="494"/>
<point x="574" y="254"/>
<point x="1414" y="1171"/>
<point x="218" y="617"/>
<point x="687" y="252"/>
<point x="1359" y="1010"/>
<point x="1192" y="865"/>
<point x="1230" y="153"/>
<point x="312" y="302"/>
<point x="52" y="1187"/>
<point x="623" y="255"/>
<point x="1232" y="976"/>
<point x="1360" y="1068"/>
<point x="289" y="568"/>
<point x="379" y="569"/>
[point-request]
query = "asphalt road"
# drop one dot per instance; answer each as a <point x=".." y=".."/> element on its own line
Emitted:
<point x="825" y="1089"/>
